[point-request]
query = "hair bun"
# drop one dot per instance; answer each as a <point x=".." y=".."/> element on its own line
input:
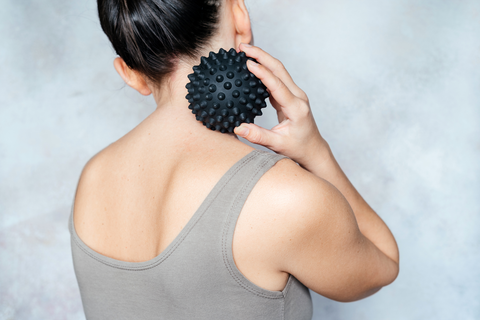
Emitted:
<point x="222" y="92"/>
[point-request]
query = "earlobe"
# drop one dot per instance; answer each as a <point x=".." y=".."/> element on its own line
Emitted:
<point x="121" y="68"/>
<point x="242" y="23"/>
<point x="144" y="90"/>
<point x="131" y="77"/>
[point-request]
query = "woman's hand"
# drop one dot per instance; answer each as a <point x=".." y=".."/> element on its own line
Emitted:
<point x="296" y="136"/>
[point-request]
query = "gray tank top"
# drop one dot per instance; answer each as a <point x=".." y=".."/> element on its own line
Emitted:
<point x="195" y="277"/>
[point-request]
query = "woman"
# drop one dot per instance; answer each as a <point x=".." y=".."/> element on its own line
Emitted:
<point x="176" y="221"/>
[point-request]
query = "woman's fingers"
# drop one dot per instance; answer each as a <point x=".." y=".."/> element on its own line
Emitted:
<point x="296" y="135"/>
<point x="259" y="135"/>
<point x="278" y="90"/>
<point x="275" y="66"/>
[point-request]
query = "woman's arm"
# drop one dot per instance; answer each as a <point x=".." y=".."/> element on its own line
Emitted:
<point x="360" y="233"/>
<point x="325" y="166"/>
<point x="316" y="238"/>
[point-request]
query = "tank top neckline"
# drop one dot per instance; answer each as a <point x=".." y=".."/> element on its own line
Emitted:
<point x="128" y="265"/>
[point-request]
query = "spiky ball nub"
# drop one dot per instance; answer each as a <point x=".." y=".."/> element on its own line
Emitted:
<point x="222" y="92"/>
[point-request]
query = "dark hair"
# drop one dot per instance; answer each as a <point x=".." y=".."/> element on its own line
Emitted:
<point x="151" y="34"/>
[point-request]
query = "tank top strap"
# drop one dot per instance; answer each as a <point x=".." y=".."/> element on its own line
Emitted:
<point x="236" y="191"/>
<point x="226" y="209"/>
<point x="225" y="201"/>
<point x="218" y="214"/>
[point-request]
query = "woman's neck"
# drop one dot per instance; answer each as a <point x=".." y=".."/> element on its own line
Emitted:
<point x="173" y="115"/>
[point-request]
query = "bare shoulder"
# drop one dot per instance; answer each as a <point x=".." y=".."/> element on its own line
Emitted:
<point x="293" y="187"/>
<point x="311" y="232"/>
<point x="107" y="167"/>
<point x="96" y="173"/>
<point x="293" y="199"/>
<point x="280" y="208"/>
<point x="288" y="189"/>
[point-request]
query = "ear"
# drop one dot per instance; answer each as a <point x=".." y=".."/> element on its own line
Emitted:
<point x="131" y="77"/>
<point x="241" y="19"/>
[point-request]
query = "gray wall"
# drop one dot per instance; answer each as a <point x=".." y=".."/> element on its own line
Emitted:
<point x="394" y="87"/>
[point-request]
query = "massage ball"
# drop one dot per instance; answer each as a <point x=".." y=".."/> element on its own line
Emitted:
<point x="222" y="92"/>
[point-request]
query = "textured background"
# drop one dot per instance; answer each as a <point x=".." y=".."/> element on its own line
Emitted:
<point x="394" y="87"/>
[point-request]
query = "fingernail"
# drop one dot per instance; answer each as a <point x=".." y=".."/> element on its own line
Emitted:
<point x="243" y="131"/>
<point x="253" y="63"/>
<point x="246" y="45"/>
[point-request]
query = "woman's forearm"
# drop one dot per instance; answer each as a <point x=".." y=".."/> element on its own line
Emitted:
<point x="324" y="165"/>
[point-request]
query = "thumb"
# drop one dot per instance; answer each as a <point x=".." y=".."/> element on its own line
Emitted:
<point x="255" y="134"/>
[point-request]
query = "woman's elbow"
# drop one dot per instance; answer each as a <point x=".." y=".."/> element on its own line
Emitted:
<point x="387" y="278"/>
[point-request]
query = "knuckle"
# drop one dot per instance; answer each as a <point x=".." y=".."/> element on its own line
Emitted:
<point x="303" y="109"/>
<point x="305" y="97"/>
<point x="277" y="85"/>
<point x="302" y="95"/>
<point x="278" y="64"/>
<point x="255" y="137"/>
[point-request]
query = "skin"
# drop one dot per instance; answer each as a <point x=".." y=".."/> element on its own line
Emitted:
<point x="303" y="217"/>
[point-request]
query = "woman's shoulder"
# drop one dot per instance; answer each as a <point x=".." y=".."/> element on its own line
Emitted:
<point x="101" y="178"/>
<point x="112" y="157"/>
<point x="98" y="166"/>
<point x="95" y="173"/>
<point x="284" y="201"/>
<point x="294" y="187"/>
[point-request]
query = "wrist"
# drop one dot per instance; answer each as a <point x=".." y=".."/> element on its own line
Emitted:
<point x="318" y="157"/>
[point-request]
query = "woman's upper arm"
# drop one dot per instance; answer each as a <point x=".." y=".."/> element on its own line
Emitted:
<point x="322" y="245"/>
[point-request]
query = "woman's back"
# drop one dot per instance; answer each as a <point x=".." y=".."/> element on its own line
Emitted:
<point x="136" y="195"/>
<point x="134" y="200"/>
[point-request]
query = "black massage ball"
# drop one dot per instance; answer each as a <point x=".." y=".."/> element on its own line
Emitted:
<point x="222" y="92"/>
